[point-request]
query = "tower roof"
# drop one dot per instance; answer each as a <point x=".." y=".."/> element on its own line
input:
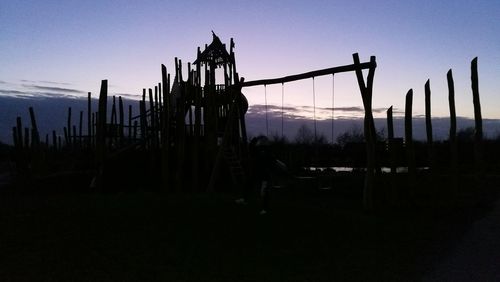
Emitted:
<point x="214" y="53"/>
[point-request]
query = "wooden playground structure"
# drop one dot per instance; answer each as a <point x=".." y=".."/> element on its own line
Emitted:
<point x="190" y="131"/>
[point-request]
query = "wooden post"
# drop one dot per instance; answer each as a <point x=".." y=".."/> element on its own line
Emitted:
<point x="66" y="137"/>
<point x="135" y="130"/>
<point x="428" y="125"/>
<point x="36" y="135"/>
<point x="101" y="130"/>
<point x="409" y="144"/>
<point x="152" y="118"/>
<point x="390" y="140"/>
<point x="129" y="121"/>
<point x="112" y="128"/>
<point x="68" y="140"/>
<point x="366" y="95"/>
<point x="74" y="136"/>
<point x="89" y="120"/>
<point x="19" y="132"/>
<point x="15" y="137"/>
<point x="121" y="118"/>
<point x="80" y="129"/>
<point x="453" y="123"/>
<point x="27" y="138"/>
<point x="478" y="136"/>
<point x="165" y="127"/>
<point x="142" y="109"/>
<point x="93" y="129"/>
<point x="54" y="139"/>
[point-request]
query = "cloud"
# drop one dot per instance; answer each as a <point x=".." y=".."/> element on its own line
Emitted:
<point x="2" y="82"/>
<point x="35" y="94"/>
<point x="55" y="89"/>
<point x="7" y="91"/>
<point x="53" y="82"/>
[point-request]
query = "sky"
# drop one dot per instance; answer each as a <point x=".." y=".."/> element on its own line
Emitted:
<point x="50" y="48"/>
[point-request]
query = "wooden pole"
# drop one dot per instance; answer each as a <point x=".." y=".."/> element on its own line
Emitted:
<point x="165" y="128"/>
<point x="27" y="138"/>
<point x="409" y="144"/>
<point x="19" y="132"/>
<point x="478" y="136"/>
<point x="121" y="118"/>
<point x="366" y="95"/>
<point x="80" y="129"/>
<point x="129" y="121"/>
<point x="36" y="134"/>
<point x="101" y="128"/>
<point x="390" y="139"/>
<point x="89" y="119"/>
<point x="453" y="133"/>
<point x="152" y="117"/>
<point x="428" y="124"/>
<point x="54" y="139"/>
<point x="68" y="140"/>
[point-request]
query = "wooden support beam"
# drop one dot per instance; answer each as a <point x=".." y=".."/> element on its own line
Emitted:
<point x="311" y="74"/>
<point x="366" y="95"/>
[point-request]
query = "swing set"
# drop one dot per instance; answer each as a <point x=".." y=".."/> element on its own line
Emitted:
<point x="356" y="67"/>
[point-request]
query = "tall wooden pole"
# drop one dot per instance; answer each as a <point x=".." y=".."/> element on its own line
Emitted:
<point x="428" y="124"/>
<point x="478" y="136"/>
<point x="101" y="131"/>
<point x="366" y="95"/>
<point x="89" y="119"/>
<point x="409" y="144"/>
<point x="390" y="139"/>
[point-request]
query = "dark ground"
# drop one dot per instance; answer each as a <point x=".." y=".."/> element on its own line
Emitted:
<point x="147" y="236"/>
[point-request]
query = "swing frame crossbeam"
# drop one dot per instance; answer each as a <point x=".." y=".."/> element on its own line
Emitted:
<point x="311" y="74"/>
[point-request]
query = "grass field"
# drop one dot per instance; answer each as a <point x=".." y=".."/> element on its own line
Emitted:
<point x="146" y="236"/>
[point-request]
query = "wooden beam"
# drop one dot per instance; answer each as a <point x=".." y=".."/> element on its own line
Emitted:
<point x="311" y="74"/>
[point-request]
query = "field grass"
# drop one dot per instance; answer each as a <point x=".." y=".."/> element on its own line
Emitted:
<point x="146" y="236"/>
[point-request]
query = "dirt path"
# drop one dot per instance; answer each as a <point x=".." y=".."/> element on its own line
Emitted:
<point x="477" y="256"/>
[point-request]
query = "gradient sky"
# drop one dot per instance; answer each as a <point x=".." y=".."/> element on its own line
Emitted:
<point x="66" y="47"/>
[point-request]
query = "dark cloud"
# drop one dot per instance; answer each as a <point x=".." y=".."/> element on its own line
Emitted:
<point x="7" y="91"/>
<point x="130" y="96"/>
<point x="54" y="82"/>
<point x="55" y="89"/>
<point x="3" y="82"/>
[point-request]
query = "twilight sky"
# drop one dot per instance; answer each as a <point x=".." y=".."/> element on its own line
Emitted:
<point x="67" y="47"/>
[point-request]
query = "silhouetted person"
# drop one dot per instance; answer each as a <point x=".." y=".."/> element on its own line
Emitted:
<point x="263" y="164"/>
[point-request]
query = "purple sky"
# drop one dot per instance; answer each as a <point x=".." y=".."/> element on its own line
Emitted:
<point x="67" y="47"/>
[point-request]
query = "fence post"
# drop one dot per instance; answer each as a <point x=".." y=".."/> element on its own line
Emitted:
<point x="478" y="136"/>
<point x="409" y="144"/>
